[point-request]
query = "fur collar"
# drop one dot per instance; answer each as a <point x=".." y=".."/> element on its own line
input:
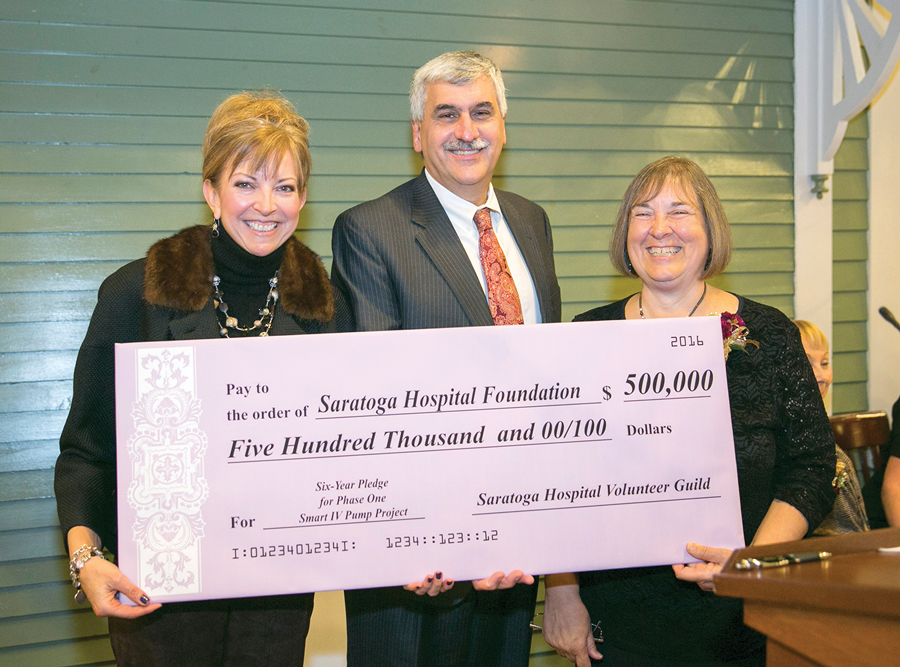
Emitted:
<point x="180" y="268"/>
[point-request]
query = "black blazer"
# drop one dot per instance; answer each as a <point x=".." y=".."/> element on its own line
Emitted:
<point x="85" y="476"/>
<point x="402" y="265"/>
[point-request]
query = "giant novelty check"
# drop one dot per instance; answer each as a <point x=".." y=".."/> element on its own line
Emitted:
<point x="307" y="463"/>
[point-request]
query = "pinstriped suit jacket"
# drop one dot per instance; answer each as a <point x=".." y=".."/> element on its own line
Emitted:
<point x="402" y="265"/>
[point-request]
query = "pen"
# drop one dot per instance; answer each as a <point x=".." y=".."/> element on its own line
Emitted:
<point x="782" y="559"/>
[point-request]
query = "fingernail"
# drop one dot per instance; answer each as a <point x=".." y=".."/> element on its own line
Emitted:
<point x="449" y="583"/>
<point x="145" y="599"/>
<point x="429" y="579"/>
<point x="438" y="575"/>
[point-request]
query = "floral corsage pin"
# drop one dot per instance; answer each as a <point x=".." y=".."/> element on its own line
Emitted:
<point x="734" y="333"/>
<point x="841" y="477"/>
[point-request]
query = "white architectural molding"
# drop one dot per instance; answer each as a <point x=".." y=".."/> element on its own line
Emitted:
<point x="832" y="85"/>
<point x="884" y="246"/>
<point x="847" y="85"/>
<point x="812" y="214"/>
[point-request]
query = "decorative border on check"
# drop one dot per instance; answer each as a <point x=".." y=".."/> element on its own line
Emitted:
<point x="168" y="487"/>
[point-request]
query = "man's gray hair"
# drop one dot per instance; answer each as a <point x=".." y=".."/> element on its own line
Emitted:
<point x="456" y="67"/>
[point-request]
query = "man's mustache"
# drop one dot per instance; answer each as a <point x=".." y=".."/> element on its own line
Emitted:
<point x="457" y="145"/>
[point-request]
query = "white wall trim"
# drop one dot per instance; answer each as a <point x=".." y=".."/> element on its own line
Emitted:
<point x="884" y="246"/>
<point x="848" y="85"/>
<point x="812" y="216"/>
<point x="831" y="86"/>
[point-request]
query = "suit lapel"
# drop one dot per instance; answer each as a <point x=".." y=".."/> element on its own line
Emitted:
<point x="195" y="325"/>
<point x="439" y="241"/>
<point x="523" y="233"/>
<point x="285" y="324"/>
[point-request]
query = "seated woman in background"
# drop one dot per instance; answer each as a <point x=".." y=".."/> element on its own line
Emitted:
<point x="203" y="282"/>
<point x="672" y="233"/>
<point x="849" y="513"/>
<point x="890" y="489"/>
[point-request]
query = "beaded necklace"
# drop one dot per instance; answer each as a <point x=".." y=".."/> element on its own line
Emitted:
<point x="266" y="313"/>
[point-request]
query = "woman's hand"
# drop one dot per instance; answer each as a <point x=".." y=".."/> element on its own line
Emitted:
<point x="702" y="573"/>
<point x="432" y="585"/>
<point x="567" y="625"/>
<point x="500" y="581"/>
<point x="101" y="581"/>
<point x="435" y="584"/>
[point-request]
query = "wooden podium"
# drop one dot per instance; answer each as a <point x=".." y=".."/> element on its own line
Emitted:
<point x="841" y="612"/>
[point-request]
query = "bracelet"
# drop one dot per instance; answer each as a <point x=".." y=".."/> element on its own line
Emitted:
<point x="79" y="558"/>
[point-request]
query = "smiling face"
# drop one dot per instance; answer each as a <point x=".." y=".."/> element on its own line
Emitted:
<point x="667" y="240"/>
<point x="821" y="364"/>
<point x="461" y="136"/>
<point x="259" y="209"/>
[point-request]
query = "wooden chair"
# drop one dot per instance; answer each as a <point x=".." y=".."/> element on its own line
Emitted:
<point x="862" y="435"/>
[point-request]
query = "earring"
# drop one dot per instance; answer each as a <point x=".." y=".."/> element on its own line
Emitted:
<point x="628" y="264"/>
<point x="214" y="232"/>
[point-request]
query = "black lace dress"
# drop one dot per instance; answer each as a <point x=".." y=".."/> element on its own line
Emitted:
<point x="784" y="447"/>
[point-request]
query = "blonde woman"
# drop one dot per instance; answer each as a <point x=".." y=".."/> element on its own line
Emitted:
<point x="849" y="513"/>
<point x="203" y="282"/>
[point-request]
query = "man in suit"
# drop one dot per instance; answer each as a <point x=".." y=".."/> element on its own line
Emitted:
<point x="416" y="258"/>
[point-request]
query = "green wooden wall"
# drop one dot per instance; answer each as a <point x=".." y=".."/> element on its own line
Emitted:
<point x="851" y="224"/>
<point x="103" y="104"/>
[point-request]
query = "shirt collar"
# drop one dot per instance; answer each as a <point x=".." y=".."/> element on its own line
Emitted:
<point x="455" y="205"/>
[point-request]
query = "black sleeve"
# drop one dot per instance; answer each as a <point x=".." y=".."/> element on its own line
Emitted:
<point x="805" y="456"/>
<point x="85" y="477"/>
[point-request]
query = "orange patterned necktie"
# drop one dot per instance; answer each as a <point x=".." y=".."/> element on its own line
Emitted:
<point x="503" y="297"/>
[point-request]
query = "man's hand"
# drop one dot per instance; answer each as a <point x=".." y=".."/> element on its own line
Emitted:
<point x="500" y="581"/>
<point x="567" y="625"/>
